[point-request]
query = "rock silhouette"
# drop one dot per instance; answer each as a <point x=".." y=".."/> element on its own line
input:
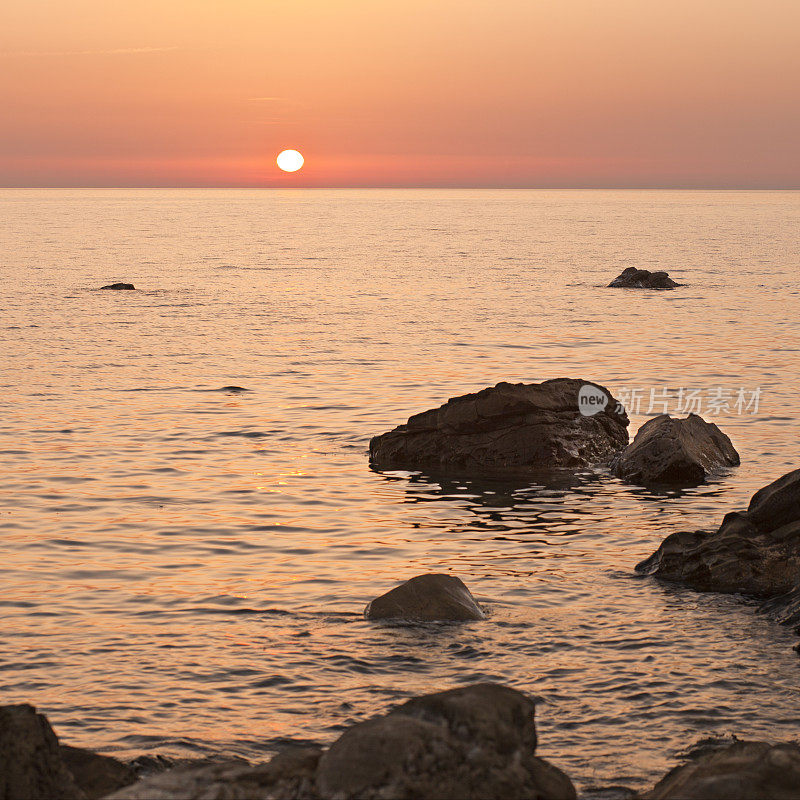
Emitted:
<point x="632" y="278"/>
<point x="740" y="771"/>
<point x="30" y="762"/>
<point x="754" y="552"/>
<point x="668" y="450"/>
<point x="508" y="428"/>
<point x="426" y="597"/>
<point x="95" y="774"/>
<point x="472" y="743"/>
<point x="119" y="286"/>
<point x="33" y="765"/>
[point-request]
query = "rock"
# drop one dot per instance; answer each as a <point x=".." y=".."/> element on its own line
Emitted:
<point x="754" y="552"/>
<point x="290" y="774"/>
<point x="632" y="278"/>
<point x="95" y="774"/>
<point x="426" y="597"/>
<point x="741" y="771"/>
<point x="127" y="286"/>
<point x="152" y="764"/>
<point x="475" y="742"/>
<point x="509" y="428"/>
<point x="668" y="450"/>
<point x="31" y="766"/>
<point x="491" y="711"/>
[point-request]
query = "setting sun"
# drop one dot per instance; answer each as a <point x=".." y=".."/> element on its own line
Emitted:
<point x="290" y="160"/>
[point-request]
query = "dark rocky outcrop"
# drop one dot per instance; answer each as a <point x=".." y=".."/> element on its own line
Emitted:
<point x="740" y="771"/>
<point x="475" y="742"/>
<point x="754" y="552"/>
<point x="290" y="774"/>
<point x="119" y="286"/>
<point x="95" y="774"/>
<point x="509" y="428"/>
<point x="632" y="278"/>
<point x="31" y="765"/>
<point x="668" y="450"/>
<point x="426" y="597"/>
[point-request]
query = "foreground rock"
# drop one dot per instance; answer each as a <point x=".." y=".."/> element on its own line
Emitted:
<point x="632" y="278"/>
<point x="755" y="552"/>
<point x="514" y="428"/>
<point x="668" y="450"/>
<point x="290" y="774"/>
<point x="95" y="774"/>
<point x="119" y="286"/>
<point x="741" y="771"/>
<point x="31" y="766"/>
<point x="426" y="597"/>
<point x="472" y="743"/>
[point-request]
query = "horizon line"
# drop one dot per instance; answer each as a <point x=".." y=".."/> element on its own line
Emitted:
<point x="642" y="188"/>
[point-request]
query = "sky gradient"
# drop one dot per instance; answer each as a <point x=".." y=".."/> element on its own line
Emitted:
<point x="518" y="93"/>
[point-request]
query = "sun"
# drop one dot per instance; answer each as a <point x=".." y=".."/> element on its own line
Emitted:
<point x="290" y="160"/>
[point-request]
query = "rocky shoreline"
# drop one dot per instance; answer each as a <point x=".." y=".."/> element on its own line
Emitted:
<point x="470" y="743"/>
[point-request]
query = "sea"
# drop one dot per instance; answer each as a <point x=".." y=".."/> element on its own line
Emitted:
<point x="185" y="564"/>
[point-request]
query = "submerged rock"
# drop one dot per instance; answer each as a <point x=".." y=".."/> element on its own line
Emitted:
<point x="668" y="450"/>
<point x="127" y="286"/>
<point x="31" y="765"/>
<point x="510" y="428"/>
<point x="426" y="597"/>
<point x="472" y="743"/>
<point x="755" y="552"/>
<point x="740" y="771"/>
<point x="632" y="278"/>
<point x="95" y="774"/>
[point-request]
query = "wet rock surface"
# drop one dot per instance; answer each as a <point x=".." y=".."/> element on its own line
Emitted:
<point x="31" y="766"/>
<point x="428" y="597"/>
<point x="673" y="451"/>
<point x="95" y="774"/>
<point x="740" y="771"/>
<point x="755" y="552"/>
<point x="119" y="286"/>
<point x="472" y="742"/>
<point x="508" y="428"/>
<point x="290" y="774"/>
<point x="632" y="278"/>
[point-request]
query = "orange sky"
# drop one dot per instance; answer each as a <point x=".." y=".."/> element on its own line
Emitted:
<point x="696" y="93"/>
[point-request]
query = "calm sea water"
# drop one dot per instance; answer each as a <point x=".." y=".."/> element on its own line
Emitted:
<point x="184" y="569"/>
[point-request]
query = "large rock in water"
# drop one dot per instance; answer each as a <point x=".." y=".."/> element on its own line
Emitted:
<point x="472" y="743"/>
<point x="755" y="552"/>
<point x="740" y="771"/>
<point x="119" y="286"/>
<point x="426" y="597"/>
<point x="632" y="278"/>
<point x="31" y="766"/>
<point x="668" y="450"/>
<point x="509" y="428"/>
